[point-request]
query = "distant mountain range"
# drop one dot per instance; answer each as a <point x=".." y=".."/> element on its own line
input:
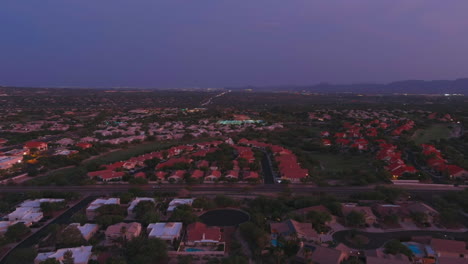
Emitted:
<point x="459" y="86"/>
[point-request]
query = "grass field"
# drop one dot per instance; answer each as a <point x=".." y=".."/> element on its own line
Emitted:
<point x="434" y="132"/>
<point x="338" y="162"/>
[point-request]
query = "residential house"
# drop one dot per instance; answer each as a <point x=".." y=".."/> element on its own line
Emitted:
<point x="213" y="175"/>
<point x="318" y="208"/>
<point x="7" y="162"/>
<point x="4" y="225"/>
<point x="173" y="161"/>
<point x="318" y="254"/>
<point x="420" y="207"/>
<point x="197" y="174"/>
<point x="86" y="230"/>
<point x="135" y="202"/>
<point x="125" y="231"/>
<point x="80" y="255"/>
<point x="379" y="257"/>
<point x="369" y="216"/>
<point x="91" y="210"/>
<point x="106" y="175"/>
<point x="201" y="234"/>
<point x="177" y="175"/>
<point x="291" y="227"/>
<point x="65" y="142"/>
<point x="449" y="249"/>
<point x="455" y="171"/>
<point x="165" y="231"/>
<point x="140" y="175"/>
<point x="40" y="146"/>
<point x="326" y="142"/>
<point x="203" y="164"/>
<point x="29" y="211"/>
<point x="84" y="145"/>
<point x="178" y="202"/>
<point x="388" y="210"/>
<point x="160" y="175"/>
<point x="232" y="174"/>
<point x="250" y="175"/>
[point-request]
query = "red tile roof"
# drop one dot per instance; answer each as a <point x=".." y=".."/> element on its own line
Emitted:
<point x="35" y="144"/>
<point x="200" y="232"/>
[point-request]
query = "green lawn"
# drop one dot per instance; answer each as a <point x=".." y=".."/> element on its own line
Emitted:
<point x="339" y="162"/>
<point x="434" y="132"/>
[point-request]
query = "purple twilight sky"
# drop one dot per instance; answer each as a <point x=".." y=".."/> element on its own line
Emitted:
<point x="216" y="43"/>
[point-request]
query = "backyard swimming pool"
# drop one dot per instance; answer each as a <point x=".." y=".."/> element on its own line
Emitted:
<point x="414" y="248"/>
<point x="193" y="250"/>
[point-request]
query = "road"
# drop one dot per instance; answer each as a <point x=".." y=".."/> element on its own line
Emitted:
<point x="207" y="102"/>
<point x="260" y="189"/>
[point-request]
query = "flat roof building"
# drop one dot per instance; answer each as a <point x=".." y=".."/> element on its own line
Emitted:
<point x="177" y="202"/>
<point x="91" y="210"/>
<point x="81" y="255"/>
<point x="165" y="231"/>
<point x="135" y="202"/>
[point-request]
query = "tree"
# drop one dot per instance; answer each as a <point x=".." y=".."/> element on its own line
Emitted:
<point x="50" y="261"/>
<point x="203" y="203"/>
<point x="183" y="214"/>
<point x="79" y="218"/>
<point x="235" y="260"/>
<point x="419" y="217"/>
<point x="142" y="208"/>
<point x="449" y="217"/>
<point x="150" y="217"/>
<point x="48" y="208"/>
<point x="352" y="260"/>
<point x="71" y="237"/>
<point x="68" y="258"/>
<point x="107" y="220"/>
<point x="184" y="260"/>
<point x="224" y="201"/>
<point x="111" y="209"/>
<point x="16" y="231"/>
<point x="116" y="260"/>
<point x="355" y="219"/>
<point x="396" y="247"/>
<point x="151" y="163"/>
<point x="319" y="219"/>
<point x="126" y="197"/>
<point x="255" y="236"/>
<point x="142" y="250"/>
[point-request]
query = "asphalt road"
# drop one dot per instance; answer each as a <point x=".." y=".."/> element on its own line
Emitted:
<point x="226" y="189"/>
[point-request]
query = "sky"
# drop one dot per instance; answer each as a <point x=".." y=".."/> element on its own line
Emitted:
<point x="225" y="43"/>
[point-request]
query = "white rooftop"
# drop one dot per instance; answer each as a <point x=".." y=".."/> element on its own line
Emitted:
<point x="137" y="200"/>
<point x="85" y="229"/>
<point x="100" y="202"/>
<point x="165" y="231"/>
<point x="177" y="202"/>
<point x="37" y="202"/>
<point x="80" y="254"/>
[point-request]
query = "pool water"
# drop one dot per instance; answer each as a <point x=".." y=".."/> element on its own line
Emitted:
<point x="414" y="248"/>
<point x="193" y="249"/>
<point x="274" y="242"/>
